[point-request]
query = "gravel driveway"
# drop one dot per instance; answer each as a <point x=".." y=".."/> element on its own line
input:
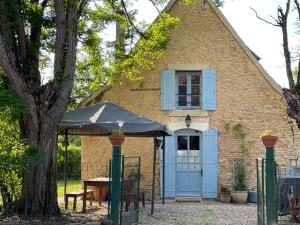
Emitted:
<point x="196" y="213"/>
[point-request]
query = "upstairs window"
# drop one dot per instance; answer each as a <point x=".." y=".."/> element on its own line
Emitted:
<point x="188" y="90"/>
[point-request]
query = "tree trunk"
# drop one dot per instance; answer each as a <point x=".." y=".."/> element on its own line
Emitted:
<point x="293" y="104"/>
<point x="39" y="191"/>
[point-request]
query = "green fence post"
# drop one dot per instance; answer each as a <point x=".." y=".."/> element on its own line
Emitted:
<point x="269" y="142"/>
<point x="116" y="141"/>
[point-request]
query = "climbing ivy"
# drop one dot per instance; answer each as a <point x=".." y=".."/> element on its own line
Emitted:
<point x="237" y="131"/>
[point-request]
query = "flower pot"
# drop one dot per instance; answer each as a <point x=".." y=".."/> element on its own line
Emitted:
<point x="252" y="196"/>
<point x="239" y="196"/>
<point x="269" y="141"/>
<point x="117" y="140"/>
<point x="294" y="212"/>
<point x="225" y="198"/>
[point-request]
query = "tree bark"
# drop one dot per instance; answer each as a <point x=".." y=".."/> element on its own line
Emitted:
<point x="293" y="104"/>
<point x="47" y="103"/>
<point x="39" y="188"/>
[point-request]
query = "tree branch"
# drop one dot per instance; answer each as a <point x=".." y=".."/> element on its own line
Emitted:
<point x="81" y="8"/>
<point x="21" y="34"/>
<point x="266" y="21"/>
<point x="60" y="37"/>
<point x="155" y="6"/>
<point x="66" y="84"/>
<point x="298" y="8"/>
<point x="130" y="20"/>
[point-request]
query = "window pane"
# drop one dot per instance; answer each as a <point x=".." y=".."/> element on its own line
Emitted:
<point x="194" y="143"/>
<point x="195" y="101"/>
<point x="182" y="79"/>
<point x="182" y="90"/>
<point x="182" y="100"/>
<point x="195" y="79"/>
<point x="195" y="89"/>
<point x="182" y="142"/>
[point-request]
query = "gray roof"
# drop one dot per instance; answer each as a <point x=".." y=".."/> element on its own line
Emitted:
<point x="102" y="119"/>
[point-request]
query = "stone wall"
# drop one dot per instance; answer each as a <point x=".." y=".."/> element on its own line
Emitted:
<point x="244" y="96"/>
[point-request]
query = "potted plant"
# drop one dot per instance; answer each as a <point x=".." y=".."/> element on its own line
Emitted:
<point x="267" y="138"/>
<point x="293" y="201"/>
<point x="117" y="136"/>
<point x="240" y="193"/>
<point x="225" y="196"/>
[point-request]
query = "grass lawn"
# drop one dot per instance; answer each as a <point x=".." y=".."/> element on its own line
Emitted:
<point x="72" y="185"/>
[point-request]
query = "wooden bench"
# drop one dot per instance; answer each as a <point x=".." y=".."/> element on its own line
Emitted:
<point x="74" y="195"/>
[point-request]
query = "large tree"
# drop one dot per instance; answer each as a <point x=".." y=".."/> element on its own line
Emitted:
<point x="34" y="31"/>
<point x="291" y="55"/>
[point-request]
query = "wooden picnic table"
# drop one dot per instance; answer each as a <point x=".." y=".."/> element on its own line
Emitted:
<point x="97" y="182"/>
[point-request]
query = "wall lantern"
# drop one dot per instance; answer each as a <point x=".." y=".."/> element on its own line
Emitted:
<point x="188" y="120"/>
<point x="293" y="160"/>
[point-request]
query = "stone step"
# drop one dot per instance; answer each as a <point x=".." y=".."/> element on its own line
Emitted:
<point x="188" y="199"/>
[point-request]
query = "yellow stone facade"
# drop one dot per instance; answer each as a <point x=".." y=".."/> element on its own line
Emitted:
<point x="245" y="94"/>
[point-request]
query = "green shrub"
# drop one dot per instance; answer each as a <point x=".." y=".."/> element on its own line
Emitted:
<point x="73" y="162"/>
<point x="240" y="177"/>
<point x="15" y="157"/>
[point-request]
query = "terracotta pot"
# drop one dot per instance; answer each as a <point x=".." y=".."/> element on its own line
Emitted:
<point x="117" y="140"/>
<point x="225" y="198"/>
<point x="294" y="212"/>
<point x="269" y="141"/>
<point x="239" y="196"/>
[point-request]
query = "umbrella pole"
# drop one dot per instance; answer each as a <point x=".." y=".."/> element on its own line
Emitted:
<point x="153" y="176"/>
<point x="65" y="164"/>
<point x="164" y="167"/>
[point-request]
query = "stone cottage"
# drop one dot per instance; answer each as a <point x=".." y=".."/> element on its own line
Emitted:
<point x="209" y="74"/>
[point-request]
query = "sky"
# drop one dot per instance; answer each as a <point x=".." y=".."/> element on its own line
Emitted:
<point x="264" y="39"/>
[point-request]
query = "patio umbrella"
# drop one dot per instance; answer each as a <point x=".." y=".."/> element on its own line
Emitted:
<point x="104" y="117"/>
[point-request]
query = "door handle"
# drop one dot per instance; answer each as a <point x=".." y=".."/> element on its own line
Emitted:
<point x="201" y="172"/>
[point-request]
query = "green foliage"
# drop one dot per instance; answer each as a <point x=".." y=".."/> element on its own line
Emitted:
<point x="238" y="132"/>
<point x="225" y="191"/>
<point x="100" y="63"/>
<point x="227" y="126"/>
<point x="117" y="132"/>
<point x="219" y="3"/>
<point x="240" y="176"/>
<point x="73" y="162"/>
<point x="10" y="103"/>
<point x="15" y="156"/>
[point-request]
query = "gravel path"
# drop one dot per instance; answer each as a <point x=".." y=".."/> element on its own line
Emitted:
<point x="202" y="213"/>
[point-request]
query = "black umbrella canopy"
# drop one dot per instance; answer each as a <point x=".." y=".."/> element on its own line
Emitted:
<point x="103" y="118"/>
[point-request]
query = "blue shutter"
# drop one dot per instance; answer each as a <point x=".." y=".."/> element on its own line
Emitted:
<point x="209" y="89"/>
<point x="167" y="89"/>
<point x="169" y="168"/>
<point x="210" y="165"/>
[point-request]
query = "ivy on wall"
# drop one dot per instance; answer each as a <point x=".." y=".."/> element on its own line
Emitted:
<point x="237" y="131"/>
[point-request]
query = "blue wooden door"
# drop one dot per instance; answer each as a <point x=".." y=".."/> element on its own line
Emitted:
<point x="188" y="165"/>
